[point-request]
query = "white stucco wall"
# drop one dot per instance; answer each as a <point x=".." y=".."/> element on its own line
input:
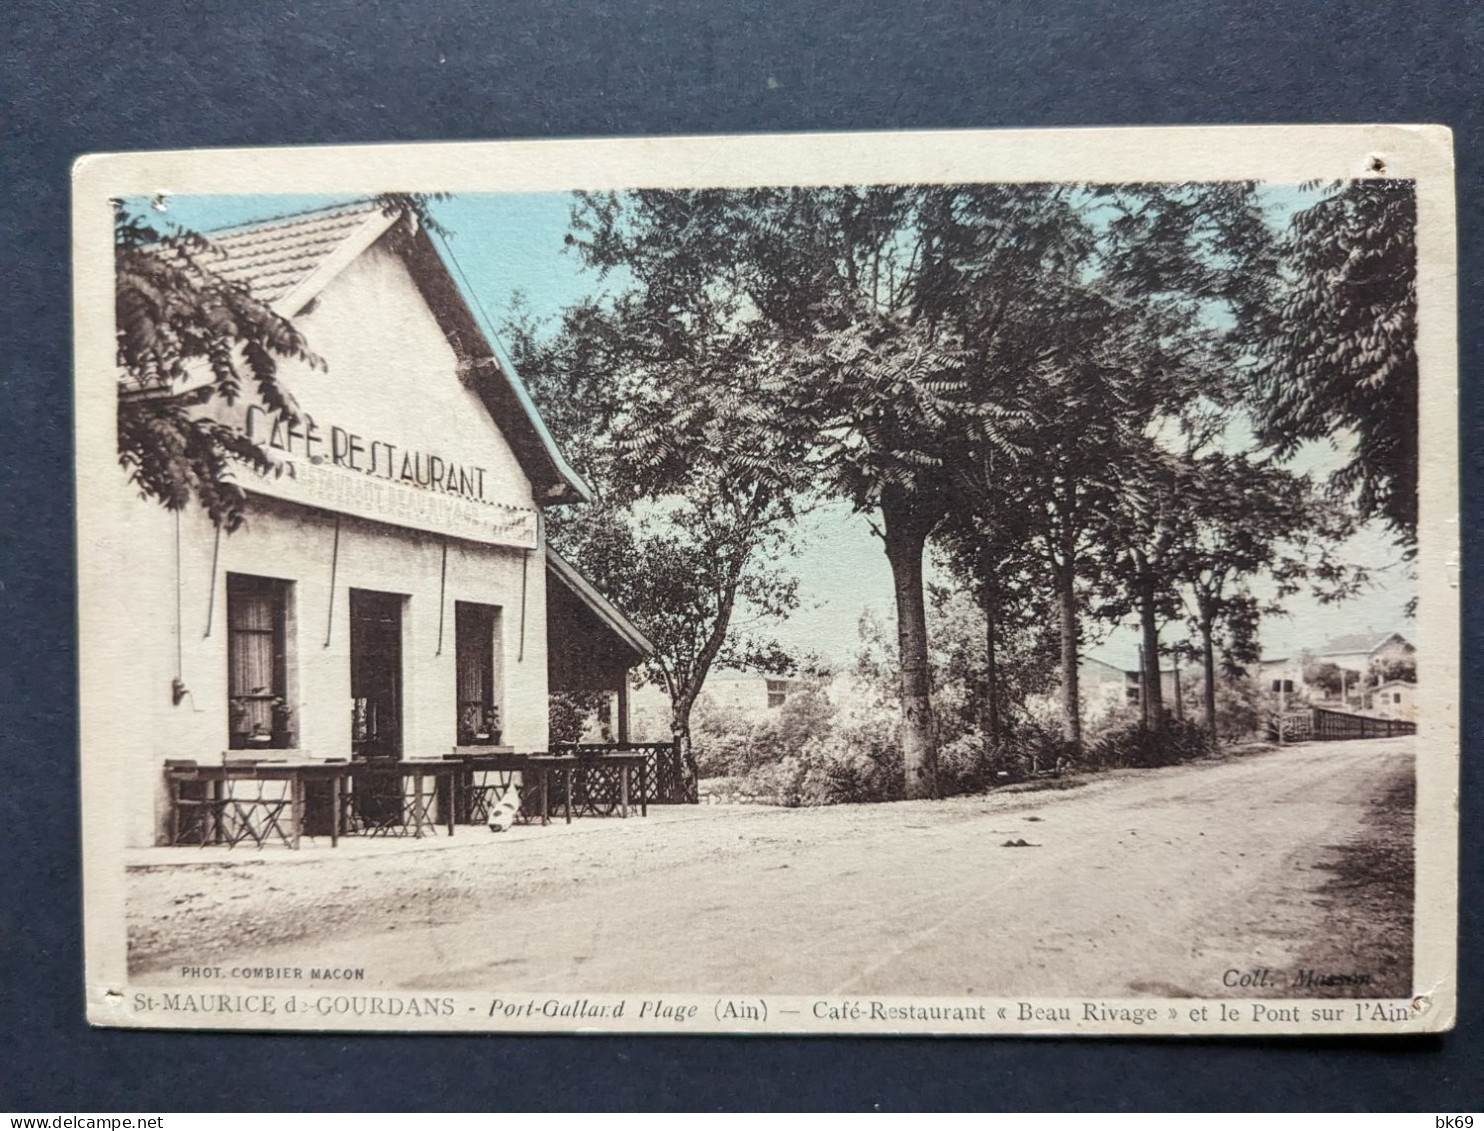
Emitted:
<point x="392" y="374"/>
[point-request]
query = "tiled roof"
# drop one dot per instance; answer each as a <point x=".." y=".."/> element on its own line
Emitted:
<point x="1356" y="642"/>
<point x="274" y="256"/>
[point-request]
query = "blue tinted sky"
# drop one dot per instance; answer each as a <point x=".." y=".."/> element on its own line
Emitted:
<point x="508" y="243"/>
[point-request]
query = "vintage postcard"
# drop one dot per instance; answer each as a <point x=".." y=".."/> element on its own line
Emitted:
<point x="943" y="583"/>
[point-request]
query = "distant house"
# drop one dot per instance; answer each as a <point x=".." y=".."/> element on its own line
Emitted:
<point x="751" y="694"/>
<point x="754" y="696"/>
<point x="1106" y="687"/>
<point x="1353" y="654"/>
<point x="1359" y="650"/>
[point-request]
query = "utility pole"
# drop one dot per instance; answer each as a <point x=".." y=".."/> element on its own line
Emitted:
<point x="1143" y="692"/>
<point x="1282" y="687"/>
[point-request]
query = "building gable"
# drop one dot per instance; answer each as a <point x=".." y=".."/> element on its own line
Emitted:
<point x="412" y="418"/>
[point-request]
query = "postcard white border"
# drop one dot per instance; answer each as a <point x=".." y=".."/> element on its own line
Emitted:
<point x="1275" y="153"/>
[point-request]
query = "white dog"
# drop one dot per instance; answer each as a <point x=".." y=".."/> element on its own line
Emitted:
<point x="503" y="811"/>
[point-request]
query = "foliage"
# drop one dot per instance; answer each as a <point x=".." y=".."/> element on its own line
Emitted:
<point x="1242" y="707"/>
<point x="1391" y="666"/>
<point x="568" y="713"/>
<point x="1343" y="354"/>
<point x="189" y="341"/>
<point x="1120" y="383"/>
<point x="1329" y="678"/>
<point x="810" y="751"/>
<point x="936" y="340"/>
<point x="1043" y="378"/>
<point x="730" y="742"/>
<point x="1134" y="745"/>
<point x="663" y="407"/>
<point x="1025" y="655"/>
<point x="188" y="337"/>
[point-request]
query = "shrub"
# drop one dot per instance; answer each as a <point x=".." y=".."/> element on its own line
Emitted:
<point x="722" y="740"/>
<point x="1242" y="707"/>
<point x="569" y="712"/>
<point x="826" y="757"/>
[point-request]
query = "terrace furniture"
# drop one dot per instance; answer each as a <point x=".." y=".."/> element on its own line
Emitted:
<point x="257" y="807"/>
<point x="486" y="773"/>
<point x="258" y="801"/>
<point x="602" y="779"/>
<point x="399" y="797"/>
<point x="196" y="804"/>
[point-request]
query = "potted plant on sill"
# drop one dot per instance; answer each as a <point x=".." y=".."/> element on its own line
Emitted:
<point x="282" y="736"/>
<point x="479" y="726"/>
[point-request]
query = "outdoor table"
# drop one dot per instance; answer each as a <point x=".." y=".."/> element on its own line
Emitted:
<point x="294" y="772"/>
<point x="471" y="799"/>
<point x="545" y="765"/>
<point x="595" y="766"/>
<point x="416" y="810"/>
<point x="538" y="766"/>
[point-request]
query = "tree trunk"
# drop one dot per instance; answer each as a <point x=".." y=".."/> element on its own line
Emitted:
<point x="1154" y="704"/>
<point x="685" y="753"/>
<point x="1208" y="665"/>
<point x="991" y="674"/>
<point x="1071" y="706"/>
<point x="906" y="523"/>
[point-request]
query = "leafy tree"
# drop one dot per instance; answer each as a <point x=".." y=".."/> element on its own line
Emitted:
<point x="189" y="339"/>
<point x="1016" y="649"/>
<point x="1384" y="668"/>
<point x="1251" y="518"/>
<point x="1328" y="677"/>
<point x="1150" y="519"/>
<point x="988" y="665"/>
<point x="826" y="291"/>
<point x="685" y="579"/>
<point x="1342" y="356"/>
<point x="1123" y="345"/>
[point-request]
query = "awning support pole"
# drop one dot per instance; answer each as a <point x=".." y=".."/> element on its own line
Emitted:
<point x="334" y="565"/>
<point x="216" y="550"/>
<point x="525" y="562"/>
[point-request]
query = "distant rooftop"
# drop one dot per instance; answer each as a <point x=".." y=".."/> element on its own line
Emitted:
<point x="1357" y="642"/>
<point x="275" y="255"/>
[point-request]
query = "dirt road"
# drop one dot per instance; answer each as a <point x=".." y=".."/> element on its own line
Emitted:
<point x="1181" y="882"/>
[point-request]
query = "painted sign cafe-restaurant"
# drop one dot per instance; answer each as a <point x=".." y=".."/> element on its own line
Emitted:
<point x="373" y="651"/>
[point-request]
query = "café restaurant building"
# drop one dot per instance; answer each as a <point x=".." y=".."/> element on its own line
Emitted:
<point x="390" y="594"/>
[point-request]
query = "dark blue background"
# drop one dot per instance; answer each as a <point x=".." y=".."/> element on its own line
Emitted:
<point x="85" y="77"/>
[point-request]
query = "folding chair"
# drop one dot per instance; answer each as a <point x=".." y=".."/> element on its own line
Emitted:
<point x="196" y="809"/>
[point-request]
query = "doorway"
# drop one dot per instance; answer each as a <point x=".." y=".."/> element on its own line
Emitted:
<point x="375" y="674"/>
